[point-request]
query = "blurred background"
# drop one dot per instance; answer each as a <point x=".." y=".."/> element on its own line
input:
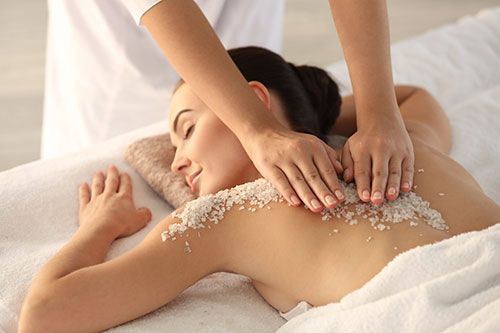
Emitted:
<point x="309" y="37"/>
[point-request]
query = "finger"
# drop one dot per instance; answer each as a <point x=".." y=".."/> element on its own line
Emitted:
<point x="301" y="186"/>
<point x="330" y="177"/>
<point x="379" y="181"/>
<point x="348" y="164"/>
<point x="281" y="182"/>
<point x="407" y="174"/>
<point x="125" y="184"/>
<point x="334" y="158"/>
<point x="362" y="176"/>
<point x="394" y="180"/>
<point x="145" y="214"/>
<point x="84" y="194"/>
<point x="97" y="184"/>
<point x="112" y="180"/>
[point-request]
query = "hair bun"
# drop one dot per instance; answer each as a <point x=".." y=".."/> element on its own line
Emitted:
<point x="323" y="93"/>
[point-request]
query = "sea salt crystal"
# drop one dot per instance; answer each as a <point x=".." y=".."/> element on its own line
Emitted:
<point x="440" y="194"/>
<point x="369" y="238"/>
<point x="395" y="247"/>
<point x="329" y="234"/>
<point x="415" y="187"/>
<point x="211" y="207"/>
<point x="420" y="170"/>
<point x="199" y="212"/>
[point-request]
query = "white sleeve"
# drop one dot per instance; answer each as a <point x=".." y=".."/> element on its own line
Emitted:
<point x="137" y="8"/>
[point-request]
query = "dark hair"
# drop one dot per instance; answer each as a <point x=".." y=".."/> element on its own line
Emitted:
<point x="310" y="97"/>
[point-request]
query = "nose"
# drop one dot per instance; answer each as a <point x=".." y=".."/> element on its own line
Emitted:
<point x="178" y="163"/>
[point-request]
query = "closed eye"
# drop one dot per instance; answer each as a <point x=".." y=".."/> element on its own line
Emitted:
<point x="188" y="132"/>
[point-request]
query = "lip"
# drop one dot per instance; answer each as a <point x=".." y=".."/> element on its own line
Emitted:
<point x="192" y="179"/>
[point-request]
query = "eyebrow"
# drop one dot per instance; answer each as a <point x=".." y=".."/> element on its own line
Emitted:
<point x="177" y="117"/>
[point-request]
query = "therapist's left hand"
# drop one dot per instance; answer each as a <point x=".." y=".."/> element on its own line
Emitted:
<point x="380" y="158"/>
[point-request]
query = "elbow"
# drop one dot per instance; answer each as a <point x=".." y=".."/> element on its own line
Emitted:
<point x="35" y="316"/>
<point x="29" y="317"/>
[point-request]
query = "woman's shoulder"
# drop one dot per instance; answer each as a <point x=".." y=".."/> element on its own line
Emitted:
<point x="229" y="217"/>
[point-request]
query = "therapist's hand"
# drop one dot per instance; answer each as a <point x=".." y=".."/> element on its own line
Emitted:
<point x="299" y="165"/>
<point x="380" y="158"/>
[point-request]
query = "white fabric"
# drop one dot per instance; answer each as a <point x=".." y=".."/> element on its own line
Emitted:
<point x="298" y="309"/>
<point x="105" y="75"/>
<point x="39" y="205"/>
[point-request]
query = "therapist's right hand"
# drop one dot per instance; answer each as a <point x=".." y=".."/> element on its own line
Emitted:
<point x="301" y="166"/>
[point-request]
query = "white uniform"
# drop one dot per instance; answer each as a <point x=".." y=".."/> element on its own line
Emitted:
<point x="105" y="75"/>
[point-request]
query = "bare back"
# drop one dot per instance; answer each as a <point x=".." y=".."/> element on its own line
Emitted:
<point x="291" y="254"/>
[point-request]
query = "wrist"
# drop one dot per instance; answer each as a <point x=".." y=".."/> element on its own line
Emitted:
<point x="106" y="234"/>
<point x="379" y="114"/>
<point x="252" y="129"/>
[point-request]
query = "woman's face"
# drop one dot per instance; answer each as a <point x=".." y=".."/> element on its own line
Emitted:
<point x="205" y="145"/>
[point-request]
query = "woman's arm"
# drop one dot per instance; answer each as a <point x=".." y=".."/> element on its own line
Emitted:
<point x="76" y="291"/>
<point x="93" y="295"/>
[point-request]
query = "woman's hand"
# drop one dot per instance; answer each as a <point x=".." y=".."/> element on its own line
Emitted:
<point x="382" y="150"/>
<point x="297" y="163"/>
<point x="108" y="207"/>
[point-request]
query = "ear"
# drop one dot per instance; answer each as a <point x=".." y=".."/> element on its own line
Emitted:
<point x="261" y="92"/>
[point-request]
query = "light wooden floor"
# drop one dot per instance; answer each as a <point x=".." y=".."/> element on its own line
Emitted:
<point x="310" y="37"/>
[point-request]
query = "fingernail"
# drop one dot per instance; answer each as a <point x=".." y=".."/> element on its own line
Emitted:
<point x="406" y="185"/>
<point x="315" y="203"/>
<point x="377" y="195"/>
<point x="392" y="191"/>
<point x="366" y="195"/>
<point x="295" y="199"/>
<point x="339" y="194"/>
<point x="330" y="200"/>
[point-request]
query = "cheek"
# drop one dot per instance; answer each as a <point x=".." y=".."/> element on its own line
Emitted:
<point x="224" y="159"/>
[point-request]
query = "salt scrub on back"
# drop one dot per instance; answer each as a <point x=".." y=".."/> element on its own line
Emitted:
<point x="408" y="206"/>
<point x="213" y="206"/>
<point x="260" y="192"/>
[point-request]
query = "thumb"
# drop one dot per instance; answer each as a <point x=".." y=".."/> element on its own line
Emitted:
<point x="145" y="213"/>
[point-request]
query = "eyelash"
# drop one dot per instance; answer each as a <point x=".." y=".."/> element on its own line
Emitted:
<point x="188" y="132"/>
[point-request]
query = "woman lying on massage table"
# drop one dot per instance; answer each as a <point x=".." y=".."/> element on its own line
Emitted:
<point x="291" y="254"/>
